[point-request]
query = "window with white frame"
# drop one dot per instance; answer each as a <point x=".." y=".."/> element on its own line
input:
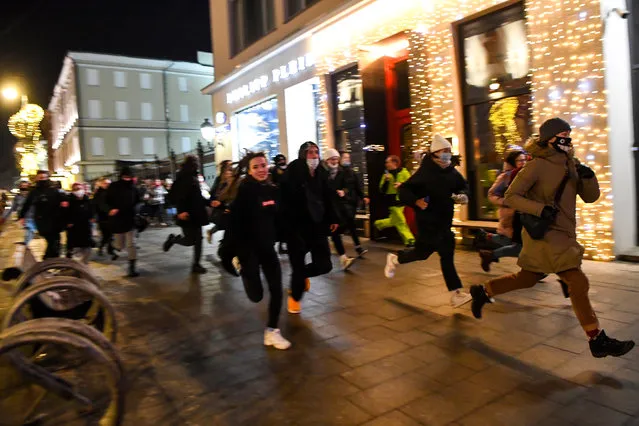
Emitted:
<point x="93" y="77"/>
<point x="250" y="20"/>
<point x="124" y="146"/>
<point x="183" y="84"/>
<point x="97" y="146"/>
<point x="145" y="81"/>
<point x="184" y="113"/>
<point x="121" y="110"/>
<point x="95" y="108"/>
<point x="147" y="111"/>
<point x="186" y="144"/>
<point x="119" y="78"/>
<point x="148" y="146"/>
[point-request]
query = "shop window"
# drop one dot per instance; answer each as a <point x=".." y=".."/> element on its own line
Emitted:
<point x="495" y="68"/>
<point x="402" y="93"/>
<point x="293" y="7"/>
<point x="302" y="109"/>
<point x="257" y="129"/>
<point x="250" y="20"/>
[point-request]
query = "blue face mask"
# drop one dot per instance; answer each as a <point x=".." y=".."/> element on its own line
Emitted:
<point x="445" y="157"/>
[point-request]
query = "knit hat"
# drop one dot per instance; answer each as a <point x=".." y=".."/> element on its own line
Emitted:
<point x="126" y="171"/>
<point x="439" y="142"/>
<point x="330" y="153"/>
<point x="551" y="128"/>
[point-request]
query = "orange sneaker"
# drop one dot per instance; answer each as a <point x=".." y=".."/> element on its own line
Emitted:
<point x="294" y="307"/>
<point x="307" y="284"/>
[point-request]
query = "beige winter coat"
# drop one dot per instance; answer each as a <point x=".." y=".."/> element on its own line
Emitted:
<point x="533" y="188"/>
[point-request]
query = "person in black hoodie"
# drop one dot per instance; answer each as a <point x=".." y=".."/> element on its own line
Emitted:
<point x="253" y="233"/>
<point x="433" y="191"/>
<point x="309" y="215"/>
<point x="192" y="215"/>
<point x="123" y="199"/>
<point x="101" y="210"/>
<point x="78" y="218"/>
<point x="48" y="203"/>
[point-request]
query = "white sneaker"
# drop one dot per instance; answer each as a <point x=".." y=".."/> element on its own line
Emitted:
<point x="346" y="262"/>
<point x="459" y="298"/>
<point x="236" y="264"/>
<point x="391" y="265"/>
<point x="273" y="337"/>
<point x="209" y="236"/>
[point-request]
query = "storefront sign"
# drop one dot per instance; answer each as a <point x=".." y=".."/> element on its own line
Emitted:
<point x="283" y="72"/>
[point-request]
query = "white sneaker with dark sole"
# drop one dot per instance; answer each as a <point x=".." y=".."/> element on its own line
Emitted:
<point x="459" y="298"/>
<point x="273" y="337"/>
<point x="391" y="265"/>
<point x="346" y="262"/>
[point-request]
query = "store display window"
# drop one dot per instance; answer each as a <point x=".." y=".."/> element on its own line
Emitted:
<point x="257" y="129"/>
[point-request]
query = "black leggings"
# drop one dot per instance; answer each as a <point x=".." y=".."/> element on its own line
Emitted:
<point x="267" y="259"/>
<point x="191" y="236"/>
<point x="444" y="245"/>
<point x="53" y="244"/>
<point x="107" y="237"/>
<point x="349" y="225"/>
<point x="300" y="244"/>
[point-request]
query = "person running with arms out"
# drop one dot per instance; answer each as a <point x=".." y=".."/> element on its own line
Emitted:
<point x="393" y="178"/>
<point x="547" y="188"/>
<point x="433" y="191"/>
<point x="253" y="232"/>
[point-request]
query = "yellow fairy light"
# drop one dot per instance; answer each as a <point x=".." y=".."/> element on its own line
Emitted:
<point x="567" y="78"/>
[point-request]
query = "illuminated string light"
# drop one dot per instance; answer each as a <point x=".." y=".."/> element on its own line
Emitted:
<point x="566" y="53"/>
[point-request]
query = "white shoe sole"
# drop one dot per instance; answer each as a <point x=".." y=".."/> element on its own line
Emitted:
<point x="389" y="269"/>
<point x="461" y="302"/>
<point x="347" y="264"/>
<point x="276" y="346"/>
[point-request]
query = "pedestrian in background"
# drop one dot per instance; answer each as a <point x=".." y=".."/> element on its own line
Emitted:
<point x="123" y="199"/>
<point x="222" y="182"/>
<point x="79" y="217"/>
<point x="101" y="210"/>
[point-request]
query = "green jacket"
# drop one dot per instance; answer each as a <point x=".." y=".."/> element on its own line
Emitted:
<point x="387" y="187"/>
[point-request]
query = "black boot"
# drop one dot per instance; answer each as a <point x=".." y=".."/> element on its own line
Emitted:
<point x="132" y="272"/>
<point x="169" y="242"/>
<point x="602" y="346"/>
<point x="480" y="298"/>
<point x="487" y="257"/>
<point x="198" y="269"/>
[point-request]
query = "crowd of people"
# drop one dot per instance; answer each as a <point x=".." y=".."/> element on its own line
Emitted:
<point x="297" y="207"/>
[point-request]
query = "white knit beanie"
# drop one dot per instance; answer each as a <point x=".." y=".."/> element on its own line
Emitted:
<point x="330" y="153"/>
<point x="439" y="142"/>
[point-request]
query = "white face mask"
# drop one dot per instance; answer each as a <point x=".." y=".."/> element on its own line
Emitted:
<point x="79" y="193"/>
<point x="312" y="163"/>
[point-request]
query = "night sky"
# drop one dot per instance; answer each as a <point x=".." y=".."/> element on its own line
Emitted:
<point x="36" y="34"/>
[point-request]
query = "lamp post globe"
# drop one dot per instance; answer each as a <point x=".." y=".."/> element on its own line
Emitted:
<point x="10" y="93"/>
<point x="207" y="130"/>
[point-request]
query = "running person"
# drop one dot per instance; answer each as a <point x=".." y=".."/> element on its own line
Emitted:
<point x="254" y="233"/>
<point x="433" y="191"/>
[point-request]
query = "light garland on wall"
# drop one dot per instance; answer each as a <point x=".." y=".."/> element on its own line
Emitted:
<point x="565" y="39"/>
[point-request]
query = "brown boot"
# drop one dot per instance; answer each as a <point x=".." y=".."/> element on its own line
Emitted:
<point x="487" y="258"/>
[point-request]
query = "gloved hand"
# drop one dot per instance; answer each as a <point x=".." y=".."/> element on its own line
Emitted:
<point x="460" y="198"/>
<point x="585" y="172"/>
<point x="549" y="213"/>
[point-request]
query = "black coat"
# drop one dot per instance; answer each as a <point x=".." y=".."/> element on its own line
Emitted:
<point x="125" y="197"/>
<point x="47" y="207"/>
<point x="438" y="185"/>
<point x="254" y="215"/>
<point x="187" y="197"/>
<point x="100" y="207"/>
<point x="78" y="222"/>
<point x="308" y="204"/>
<point x="347" y="181"/>
<point x="277" y="174"/>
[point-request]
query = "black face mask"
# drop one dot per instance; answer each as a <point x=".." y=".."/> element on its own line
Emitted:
<point x="563" y="144"/>
<point x="42" y="183"/>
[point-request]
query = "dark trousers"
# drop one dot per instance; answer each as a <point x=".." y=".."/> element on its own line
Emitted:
<point x="444" y="244"/>
<point x="53" y="244"/>
<point x="191" y="236"/>
<point x="298" y="245"/>
<point x="107" y="237"/>
<point x="349" y="225"/>
<point x="267" y="259"/>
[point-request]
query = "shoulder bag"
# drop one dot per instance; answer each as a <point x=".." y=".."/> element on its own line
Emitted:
<point x="536" y="226"/>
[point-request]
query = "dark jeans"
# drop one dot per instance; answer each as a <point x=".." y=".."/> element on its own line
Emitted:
<point x="349" y="225"/>
<point x="191" y="236"/>
<point x="107" y="237"/>
<point x="442" y="243"/>
<point x="53" y="244"/>
<point x="298" y="245"/>
<point x="157" y="211"/>
<point x="267" y="259"/>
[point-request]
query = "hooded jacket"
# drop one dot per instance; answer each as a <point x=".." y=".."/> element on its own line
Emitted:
<point x="307" y="201"/>
<point x="187" y="196"/>
<point x="533" y="188"/>
<point x="123" y="196"/>
<point x="437" y="185"/>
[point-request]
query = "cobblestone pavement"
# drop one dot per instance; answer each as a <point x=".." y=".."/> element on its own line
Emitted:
<point x="366" y="350"/>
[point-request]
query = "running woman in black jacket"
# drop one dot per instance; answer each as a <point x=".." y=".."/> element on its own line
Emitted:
<point x="254" y="233"/>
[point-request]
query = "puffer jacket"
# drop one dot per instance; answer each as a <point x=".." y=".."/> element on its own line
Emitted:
<point x="496" y="196"/>
<point x="533" y="188"/>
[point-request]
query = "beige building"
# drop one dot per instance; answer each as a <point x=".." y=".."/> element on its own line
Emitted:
<point x="378" y="77"/>
<point x="108" y="110"/>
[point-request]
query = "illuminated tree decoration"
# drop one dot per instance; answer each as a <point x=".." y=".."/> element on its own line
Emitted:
<point x="25" y="126"/>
